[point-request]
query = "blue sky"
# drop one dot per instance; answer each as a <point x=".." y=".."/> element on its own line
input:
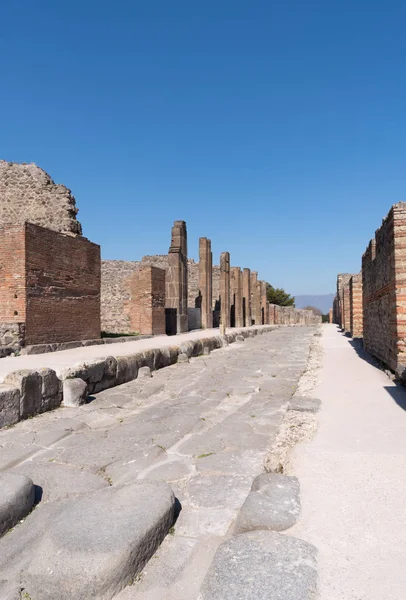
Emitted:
<point x="277" y="129"/>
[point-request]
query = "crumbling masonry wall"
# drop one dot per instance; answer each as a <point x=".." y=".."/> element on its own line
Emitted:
<point x="147" y="308"/>
<point x="27" y="193"/>
<point x="356" y="317"/>
<point x="384" y="285"/>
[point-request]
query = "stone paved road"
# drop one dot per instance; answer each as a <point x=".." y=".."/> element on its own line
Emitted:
<point x="205" y="427"/>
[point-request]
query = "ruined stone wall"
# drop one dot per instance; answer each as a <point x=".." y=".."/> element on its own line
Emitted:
<point x="343" y="280"/>
<point x="383" y="281"/>
<point x="147" y="307"/>
<point x="62" y="287"/>
<point x="116" y="295"/>
<point x="27" y="193"/>
<point x="355" y="306"/>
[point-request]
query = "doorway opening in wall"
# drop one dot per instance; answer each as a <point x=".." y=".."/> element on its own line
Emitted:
<point x="170" y="321"/>
<point x="244" y="313"/>
<point x="232" y="312"/>
<point x="263" y="316"/>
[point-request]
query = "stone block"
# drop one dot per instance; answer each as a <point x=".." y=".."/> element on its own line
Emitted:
<point x="273" y="504"/>
<point x="17" y="495"/>
<point x="263" y="565"/>
<point x="183" y="358"/>
<point x="51" y="390"/>
<point x="144" y="372"/>
<point x="100" y="542"/>
<point x="29" y="383"/>
<point x="9" y="405"/>
<point x="127" y="368"/>
<point x="74" y="392"/>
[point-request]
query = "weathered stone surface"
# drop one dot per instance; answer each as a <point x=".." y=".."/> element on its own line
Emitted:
<point x="240" y="338"/>
<point x="183" y="358"/>
<point x="74" y="392"/>
<point x="273" y="504"/>
<point x="262" y="565"/>
<point x="224" y="291"/>
<point x="29" y="383"/>
<point x="100" y="542"/>
<point x="127" y="369"/>
<point x="58" y="482"/>
<point x="29" y="194"/>
<point x="144" y="372"/>
<point x="17" y="495"/>
<point x="9" y="405"/>
<point x="304" y="404"/>
<point x="177" y="281"/>
<point x="51" y="390"/>
<point x="206" y="282"/>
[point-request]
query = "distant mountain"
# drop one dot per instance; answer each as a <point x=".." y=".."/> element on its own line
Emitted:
<point x="323" y="303"/>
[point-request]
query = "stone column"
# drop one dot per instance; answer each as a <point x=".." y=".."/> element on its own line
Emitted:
<point x="263" y="301"/>
<point x="268" y="313"/>
<point x="236" y="296"/>
<point x="255" y="299"/>
<point x="205" y="282"/>
<point x="224" y="291"/>
<point x="177" y="279"/>
<point x="246" y="297"/>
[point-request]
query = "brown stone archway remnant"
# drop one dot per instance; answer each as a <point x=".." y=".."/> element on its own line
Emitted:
<point x="177" y="280"/>
<point x="224" y="291"/>
<point x="205" y="282"/>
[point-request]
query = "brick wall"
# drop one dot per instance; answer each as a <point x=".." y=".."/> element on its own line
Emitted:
<point x="49" y="286"/>
<point x="356" y="316"/>
<point x="27" y="193"/>
<point x="115" y="295"/>
<point x="343" y="280"/>
<point x="383" y="281"/>
<point x="62" y="287"/>
<point x="147" y="306"/>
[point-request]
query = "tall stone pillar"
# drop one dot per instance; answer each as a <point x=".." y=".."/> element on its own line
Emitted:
<point x="177" y="280"/>
<point x="255" y="299"/>
<point x="268" y="313"/>
<point x="224" y="291"/>
<point x="263" y="301"/>
<point x="246" y="297"/>
<point x="236" y="297"/>
<point x="206" y="282"/>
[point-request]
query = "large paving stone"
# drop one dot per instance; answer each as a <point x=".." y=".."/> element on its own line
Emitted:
<point x="262" y="565"/>
<point x="100" y="543"/>
<point x="273" y="504"/>
<point x="60" y="481"/>
<point x="17" y="495"/>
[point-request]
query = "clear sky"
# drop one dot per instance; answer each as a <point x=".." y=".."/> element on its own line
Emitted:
<point x="277" y="129"/>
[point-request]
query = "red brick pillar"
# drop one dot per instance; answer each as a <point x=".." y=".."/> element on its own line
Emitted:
<point x="177" y="278"/>
<point x="206" y="282"/>
<point x="246" y="297"/>
<point x="224" y="291"/>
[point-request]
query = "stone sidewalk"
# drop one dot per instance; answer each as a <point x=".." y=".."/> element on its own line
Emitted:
<point x="58" y="361"/>
<point x="353" y="477"/>
<point x="204" y="426"/>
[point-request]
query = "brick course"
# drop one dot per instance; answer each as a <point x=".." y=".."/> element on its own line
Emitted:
<point x="147" y="306"/>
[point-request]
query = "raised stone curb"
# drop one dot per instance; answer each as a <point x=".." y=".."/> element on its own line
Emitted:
<point x="273" y="504"/>
<point x="263" y="565"/>
<point x="100" y="542"/>
<point x="40" y="391"/>
<point x="17" y="496"/>
<point x="44" y="348"/>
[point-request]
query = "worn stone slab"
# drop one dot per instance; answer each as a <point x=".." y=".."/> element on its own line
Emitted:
<point x="273" y="504"/>
<point x="100" y="543"/>
<point x="58" y="482"/>
<point x="262" y="565"/>
<point x="51" y="390"/>
<point x="304" y="404"/>
<point x="17" y="496"/>
<point x="74" y="392"/>
<point x="9" y="405"/>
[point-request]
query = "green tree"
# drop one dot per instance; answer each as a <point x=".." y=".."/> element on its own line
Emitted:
<point x="278" y="296"/>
